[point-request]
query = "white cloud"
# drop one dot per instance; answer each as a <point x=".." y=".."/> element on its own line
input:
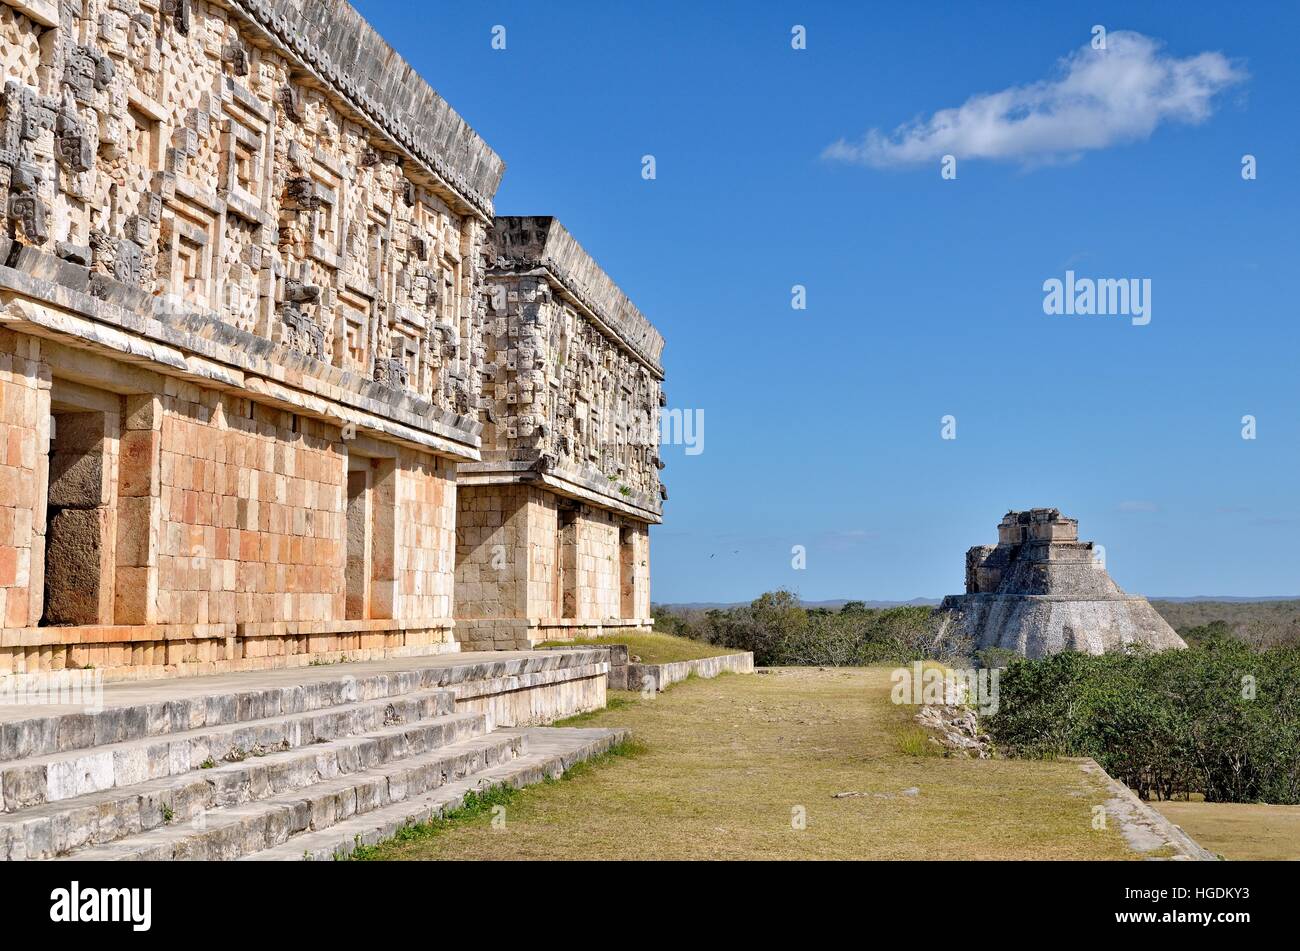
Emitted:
<point x="1097" y="99"/>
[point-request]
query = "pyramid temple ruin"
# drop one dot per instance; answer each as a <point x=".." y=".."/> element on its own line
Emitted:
<point x="277" y="386"/>
<point x="1040" y="590"/>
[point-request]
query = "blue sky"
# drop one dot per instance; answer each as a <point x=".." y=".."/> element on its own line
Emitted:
<point x="925" y="295"/>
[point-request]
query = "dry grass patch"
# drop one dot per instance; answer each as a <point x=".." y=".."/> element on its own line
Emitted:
<point x="1239" y="831"/>
<point x="651" y="647"/>
<point x="725" y="762"/>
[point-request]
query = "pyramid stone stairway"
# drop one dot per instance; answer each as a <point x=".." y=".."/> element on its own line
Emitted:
<point x="287" y="764"/>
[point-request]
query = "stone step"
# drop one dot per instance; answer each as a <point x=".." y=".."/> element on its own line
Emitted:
<point x="138" y="710"/>
<point x="550" y="751"/>
<point x="54" y="778"/>
<point x="98" y="818"/>
<point x="235" y="831"/>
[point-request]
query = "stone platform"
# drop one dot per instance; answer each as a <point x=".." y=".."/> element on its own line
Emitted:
<point x="663" y="676"/>
<point x="286" y="763"/>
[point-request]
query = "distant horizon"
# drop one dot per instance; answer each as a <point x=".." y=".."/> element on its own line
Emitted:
<point x="924" y="601"/>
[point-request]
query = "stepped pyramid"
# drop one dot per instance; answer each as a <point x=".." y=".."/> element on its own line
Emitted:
<point x="1040" y="590"/>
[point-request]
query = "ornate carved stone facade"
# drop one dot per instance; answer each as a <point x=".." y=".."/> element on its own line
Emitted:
<point x="255" y="312"/>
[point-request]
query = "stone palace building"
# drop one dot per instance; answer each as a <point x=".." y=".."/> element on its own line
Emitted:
<point x="276" y="386"/>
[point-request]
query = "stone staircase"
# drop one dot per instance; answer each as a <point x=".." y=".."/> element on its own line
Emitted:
<point x="294" y="767"/>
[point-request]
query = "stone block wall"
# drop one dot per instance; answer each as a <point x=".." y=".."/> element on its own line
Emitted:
<point x="194" y="530"/>
<point x="508" y="558"/>
<point x="543" y="559"/>
<point x="24" y="435"/>
<point x="492" y="548"/>
<point x="251" y="513"/>
<point x="553" y="566"/>
<point x="426" y="536"/>
<point x="635" y="575"/>
<point x="599" y="585"/>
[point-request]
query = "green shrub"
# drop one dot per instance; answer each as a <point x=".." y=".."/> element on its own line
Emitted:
<point x="1221" y="719"/>
<point x="781" y="632"/>
<point x="995" y="657"/>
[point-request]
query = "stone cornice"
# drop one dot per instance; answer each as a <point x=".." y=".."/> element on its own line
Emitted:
<point x="333" y="42"/>
<point x="526" y="243"/>
<point x="562" y="482"/>
<point x="178" y="340"/>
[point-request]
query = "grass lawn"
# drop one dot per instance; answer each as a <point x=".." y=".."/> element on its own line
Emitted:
<point x="651" y="647"/>
<point x="1239" y="831"/>
<point x="718" y="768"/>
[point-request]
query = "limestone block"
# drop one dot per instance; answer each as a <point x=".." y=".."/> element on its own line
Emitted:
<point x="143" y="411"/>
<point x="138" y="462"/>
<point x="135" y="595"/>
<point x="78" y="567"/>
<point x="44" y="12"/>
<point x="78" y="480"/>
